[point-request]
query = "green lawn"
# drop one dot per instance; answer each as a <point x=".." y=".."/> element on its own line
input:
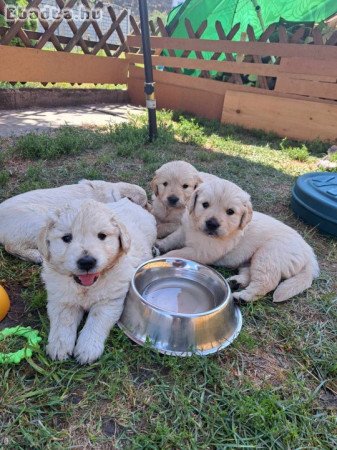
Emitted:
<point x="274" y="388"/>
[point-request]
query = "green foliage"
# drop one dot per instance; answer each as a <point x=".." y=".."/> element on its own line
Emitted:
<point x="296" y="153"/>
<point x="4" y="177"/>
<point x="30" y="24"/>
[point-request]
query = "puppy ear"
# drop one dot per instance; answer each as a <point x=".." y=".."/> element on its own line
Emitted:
<point x="193" y="201"/>
<point x="247" y="215"/>
<point x="43" y="241"/>
<point x="87" y="182"/>
<point x="198" y="181"/>
<point x="154" y="186"/>
<point x="124" y="237"/>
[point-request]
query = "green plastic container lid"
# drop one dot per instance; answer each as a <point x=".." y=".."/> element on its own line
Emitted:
<point x="314" y="199"/>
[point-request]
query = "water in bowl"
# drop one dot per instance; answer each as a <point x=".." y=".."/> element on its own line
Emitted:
<point x="184" y="296"/>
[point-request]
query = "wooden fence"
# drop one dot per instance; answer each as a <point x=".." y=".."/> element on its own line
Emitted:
<point x="294" y="91"/>
<point x="73" y="59"/>
<point x="281" y="82"/>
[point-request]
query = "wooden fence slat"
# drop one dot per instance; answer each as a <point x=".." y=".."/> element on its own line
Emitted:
<point x="271" y="70"/>
<point x="332" y="39"/>
<point x="43" y="66"/>
<point x="309" y="66"/>
<point x="164" y="33"/>
<point x="53" y="27"/>
<point x="308" y="88"/>
<point x="229" y="57"/>
<point x="230" y="36"/>
<point x="261" y="80"/>
<point x="114" y="18"/>
<point x="317" y="36"/>
<point x="81" y="30"/>
<point x="202" y="27"/>
<point x="297" y="36"/>
<point x="73" y="27"/>
<point x="267" y="33"/>
<point x="249" y="48"/>
<point x="34" y="35"/>
<point x="282" y="34"/>
<point x="295" y="119"/>
<point x="192" y="35"/>
<point x="113" y="27"/>
<point x="97" y="29"/>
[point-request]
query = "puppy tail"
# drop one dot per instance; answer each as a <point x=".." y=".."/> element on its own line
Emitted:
<point x="298" y="283"/>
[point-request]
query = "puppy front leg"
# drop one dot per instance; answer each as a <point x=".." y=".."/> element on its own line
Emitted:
<point x="64" y="320"/>
<point x="164" y="229"/>
<point x="189" y="253"/>
<point x="172" y="241"/>
<point x="101" y="318"/>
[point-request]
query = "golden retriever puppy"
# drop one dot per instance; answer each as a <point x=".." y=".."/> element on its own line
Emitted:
<point x="23" y="216"/>
<point x="172" y="186"/>
<point x="91" y="251"/>
<point x="220" y="228"/>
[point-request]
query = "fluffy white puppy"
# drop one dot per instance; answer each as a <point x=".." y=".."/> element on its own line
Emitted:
<point x="23" y="216"/>
<point x="172" y="186"/>
<point x="91" y="251"/>
<point x="220" y="228"/>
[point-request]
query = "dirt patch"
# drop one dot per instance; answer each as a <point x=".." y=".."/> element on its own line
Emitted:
<point x="18" y="313"/>
<point x="265" y="368"/>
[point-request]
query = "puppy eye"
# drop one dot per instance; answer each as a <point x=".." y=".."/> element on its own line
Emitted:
<point x="165" y="183"/>
<point x="205" y="205"/>
<point x="230" y="212"/>
<point x="185" y="186"/>
<point x="67" y="238"/>
<point x="101" y="236"/>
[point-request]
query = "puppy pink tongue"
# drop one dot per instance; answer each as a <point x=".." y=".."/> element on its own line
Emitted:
<point x="88" y="279"/>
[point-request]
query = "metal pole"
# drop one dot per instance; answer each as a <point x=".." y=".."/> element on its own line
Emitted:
<point x="149" y="84"/>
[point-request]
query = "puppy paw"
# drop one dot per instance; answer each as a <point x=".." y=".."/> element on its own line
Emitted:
<point x="59" y="348"/>
<point x="88" y="351"/>
<point x="233" y="284"/>
<point x="241" y="298"/>
<point x="155" y="252"/>
<point x="159" y="247"/>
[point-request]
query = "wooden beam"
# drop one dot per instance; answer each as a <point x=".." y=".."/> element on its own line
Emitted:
<point x="308" y="66"/>
<point x="308" y="88"/>
<point x="247" y="48"/>
<point x="47" y="66"/>
<point x="287" y="117"/>
<point x="271" y="70"/>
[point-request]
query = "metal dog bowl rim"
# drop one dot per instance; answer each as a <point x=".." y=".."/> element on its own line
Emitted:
<point x="226" y="300"/>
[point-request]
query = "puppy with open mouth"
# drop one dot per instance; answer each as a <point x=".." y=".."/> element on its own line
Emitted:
<point x="22" y="217"/>
<point x="221" y="228"/>
<point x="91" y="251"/>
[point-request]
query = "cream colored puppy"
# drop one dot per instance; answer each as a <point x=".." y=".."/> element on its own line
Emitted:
<point x="23" y="216"/>
<point x="91" y="251"/>
<point x="220" y="228"/>
<point x="172" y="186"/>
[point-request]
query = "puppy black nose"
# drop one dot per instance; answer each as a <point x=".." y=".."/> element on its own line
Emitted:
<point x="86" y="263"/>
<point x="212" y="224"/>
<point x="173" y="200"/>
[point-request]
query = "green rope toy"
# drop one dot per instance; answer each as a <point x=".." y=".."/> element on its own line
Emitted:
<point x="33" y="340"/>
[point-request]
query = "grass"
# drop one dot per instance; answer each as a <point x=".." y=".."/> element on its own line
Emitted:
<point x="274" y="388"/>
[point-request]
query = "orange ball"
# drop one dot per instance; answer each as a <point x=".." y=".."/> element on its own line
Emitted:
<point x="4" y="303"/>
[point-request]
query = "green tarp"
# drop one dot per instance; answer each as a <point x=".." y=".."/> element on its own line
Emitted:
<point x="258" y="13"/>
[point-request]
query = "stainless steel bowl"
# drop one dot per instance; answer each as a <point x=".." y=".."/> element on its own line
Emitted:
<point x="180" y="307"/>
